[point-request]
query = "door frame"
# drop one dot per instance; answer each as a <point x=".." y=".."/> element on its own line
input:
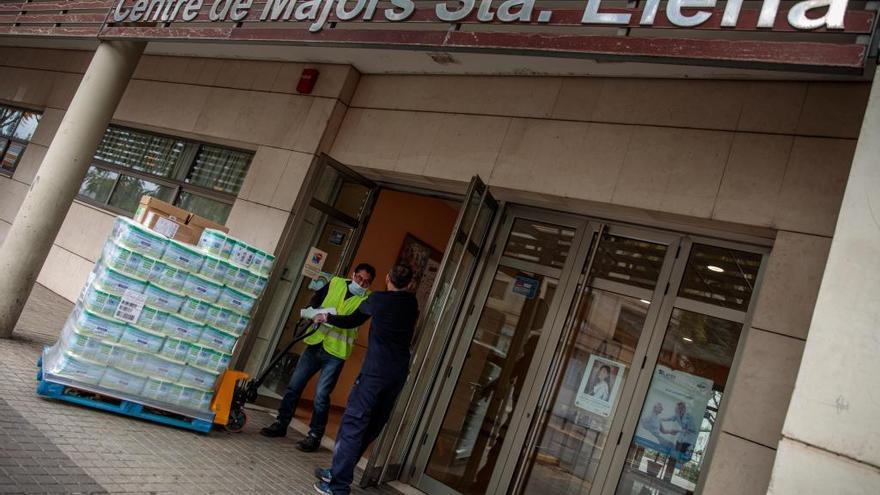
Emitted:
<point x="466" y="328"/>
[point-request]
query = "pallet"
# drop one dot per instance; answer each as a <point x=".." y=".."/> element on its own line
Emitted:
<point x="96" y="400"/>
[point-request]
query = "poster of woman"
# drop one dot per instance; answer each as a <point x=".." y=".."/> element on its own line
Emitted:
<point x="600" y="385"/>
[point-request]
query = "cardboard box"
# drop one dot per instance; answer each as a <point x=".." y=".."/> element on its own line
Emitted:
<point x="166" y="219"/>
<point x="203" y="223"/>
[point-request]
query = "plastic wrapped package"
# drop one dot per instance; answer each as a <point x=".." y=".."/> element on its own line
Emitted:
<point x="91" y="324"/>
<point x="163" y="368"/>
<point x="202" y="287"/>
<point x="115" y="282"/>
<point x="249" y="282"/>
<point x="176" y="349"/>
<point x="138" y="238"/>
<point x="159" y="390"/>
<point x="195" y="308"/>
<point x="195" y="398"/>
<point x="152" y="318"/>
<point x="164" y="299"/>
<point x="195" y="376"/>
<point x="130" y="262"/>
<point x="123" y="381"/>
<point x="236" y="300"/>
<point x="184" y="256"/>
<point x="218" y="270"/>
<point x="170" y="276"/>
<point x="68" y="365"/>
<point x="227" y="320"/>
<point x="183" y="328"/>
<point x="142" y="339"/>
<point x="126" y="358"/>
<point x="263" y="263"/>
<point x="218" y="339"/>
<point x="99" y="301"/>
<point x="89" y="347"/>
<point x="208" y="358"/>
<point x="216" y="243"/>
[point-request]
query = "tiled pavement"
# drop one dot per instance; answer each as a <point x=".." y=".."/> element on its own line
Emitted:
<point x="52" y="447"/>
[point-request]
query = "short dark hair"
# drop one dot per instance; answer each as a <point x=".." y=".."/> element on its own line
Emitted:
<point x="367" y="268"/>
<point x="401" y="276"/>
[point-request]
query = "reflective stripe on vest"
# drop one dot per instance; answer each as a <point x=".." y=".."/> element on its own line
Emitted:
<point x="338" y="342"/>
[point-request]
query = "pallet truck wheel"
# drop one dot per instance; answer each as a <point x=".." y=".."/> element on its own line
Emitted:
<point x="236" y="423"/>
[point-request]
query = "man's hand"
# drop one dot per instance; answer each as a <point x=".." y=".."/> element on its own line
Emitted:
<point x="320" y="318"/>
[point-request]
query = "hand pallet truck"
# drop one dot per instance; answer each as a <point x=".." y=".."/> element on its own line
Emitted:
<point x="237" y="388"/>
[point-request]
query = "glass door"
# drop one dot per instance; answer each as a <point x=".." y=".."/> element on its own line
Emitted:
<point x="457" y="270"/>
<point x="596" y="363"/>
<point x="480" y="400"/>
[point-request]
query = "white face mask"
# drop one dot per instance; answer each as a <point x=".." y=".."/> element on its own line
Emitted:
<point x="356" y="289"/>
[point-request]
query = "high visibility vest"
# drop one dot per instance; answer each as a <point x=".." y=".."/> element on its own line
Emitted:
<point x="337" y="341"/>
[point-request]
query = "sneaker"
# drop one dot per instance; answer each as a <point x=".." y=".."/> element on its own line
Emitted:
<point x="323" y="474"/>
<point x="323" y="488"/>
<point x="309" y="444"/>
<point x="275" y="430"/>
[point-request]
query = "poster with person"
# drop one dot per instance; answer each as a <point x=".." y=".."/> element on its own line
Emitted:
<point x="673" y="412"/>
<point x="600" y="385"/>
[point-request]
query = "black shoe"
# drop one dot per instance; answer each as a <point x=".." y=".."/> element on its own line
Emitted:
<point x="275" y="430"/>
<point x="309" y="444"/>
<point x="323" y="474"/>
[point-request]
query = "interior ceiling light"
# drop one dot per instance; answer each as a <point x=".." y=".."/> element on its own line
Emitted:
<point x="645" y="301"/>
<point x="687" y="339"/>
<point x="717" y="269"/>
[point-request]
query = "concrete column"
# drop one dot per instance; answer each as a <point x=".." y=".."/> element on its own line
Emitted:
<point x="58" y="180"/>
<point x="831" y="437"/>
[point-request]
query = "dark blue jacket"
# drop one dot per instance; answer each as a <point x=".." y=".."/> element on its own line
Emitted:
<point x="394" y="317"/>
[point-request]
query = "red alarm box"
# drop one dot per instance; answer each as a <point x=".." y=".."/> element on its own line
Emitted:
<point x="307" y="81"/>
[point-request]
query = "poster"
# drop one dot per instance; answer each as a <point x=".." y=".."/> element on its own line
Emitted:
<point x="336" y="237"/>
<point x="314" y="262"/>
<point x="422" y="258"/>
<point x="673" y="412"/>
<point x="526" y="286"/>
<point x="600" y="385"/>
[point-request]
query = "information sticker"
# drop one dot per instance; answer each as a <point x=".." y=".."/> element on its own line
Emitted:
<point x="166" y="227"/>
<point x="130" y="307"/>
<point x="314" y="262"/>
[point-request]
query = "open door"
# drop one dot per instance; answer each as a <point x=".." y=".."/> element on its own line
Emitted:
<point x="331" y="215"/>
<point x="459" y="266"/>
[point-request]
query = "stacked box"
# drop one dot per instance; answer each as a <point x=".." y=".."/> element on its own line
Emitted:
<point x="158" y="320"/>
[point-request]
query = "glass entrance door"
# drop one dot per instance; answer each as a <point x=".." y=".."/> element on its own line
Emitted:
<point x="493" y="364"/>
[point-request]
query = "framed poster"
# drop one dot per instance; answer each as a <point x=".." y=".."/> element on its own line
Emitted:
<point x="673" y="412"/>
<point x="424" y="261"/>
<point x="600" y="385"/>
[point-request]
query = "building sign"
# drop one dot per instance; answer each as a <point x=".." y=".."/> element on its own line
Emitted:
<point x="804" y="15"/>
<point x="314" y="262"/>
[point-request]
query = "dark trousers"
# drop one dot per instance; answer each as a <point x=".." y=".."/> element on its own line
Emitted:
<point x="314" y="360"/>
<point x="369" y="408"/>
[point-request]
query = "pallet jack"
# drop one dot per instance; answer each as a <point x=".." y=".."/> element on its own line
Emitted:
<point x="237" y="388"/>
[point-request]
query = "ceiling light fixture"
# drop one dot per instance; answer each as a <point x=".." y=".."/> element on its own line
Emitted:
<point x="645" y="301"/>
<point x="687" y="339"/>
<point x="717" y="269"/>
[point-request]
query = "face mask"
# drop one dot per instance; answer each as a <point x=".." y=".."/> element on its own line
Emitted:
<point x="356" y="289"/>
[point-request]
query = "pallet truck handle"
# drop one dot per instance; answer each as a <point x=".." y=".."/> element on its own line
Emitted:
<point x="304" y="329"/>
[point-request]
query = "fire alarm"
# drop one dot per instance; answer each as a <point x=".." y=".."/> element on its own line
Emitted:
<point x="307" y="81"/>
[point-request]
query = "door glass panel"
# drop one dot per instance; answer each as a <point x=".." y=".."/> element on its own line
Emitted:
<point x="720" y="276"/>
<point x="597" y="359"/>
<point x="539" y="242"/>
<point x="681" y="406"/>
<point x="482" y="404"/>
<point x="628" y="261"/>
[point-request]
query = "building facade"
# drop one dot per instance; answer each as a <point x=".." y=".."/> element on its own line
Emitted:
<point x="639" y="277"/>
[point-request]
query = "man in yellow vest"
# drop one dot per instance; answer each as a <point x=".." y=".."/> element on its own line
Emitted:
<point x="326" y="352"/>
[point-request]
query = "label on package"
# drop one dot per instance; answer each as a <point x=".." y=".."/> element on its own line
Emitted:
<point x="241" y="255"/>
<point x="130" y="307"/>
<point x="166" y="227"/>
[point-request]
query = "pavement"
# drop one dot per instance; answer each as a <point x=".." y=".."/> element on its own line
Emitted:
<point x="47" y="446"/>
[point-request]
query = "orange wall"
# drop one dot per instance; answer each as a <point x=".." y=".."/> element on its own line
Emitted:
<point x="395" y="214"/>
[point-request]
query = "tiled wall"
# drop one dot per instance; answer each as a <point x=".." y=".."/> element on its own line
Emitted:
<point x="252" y="105"/>
<point x="766" y="154"/>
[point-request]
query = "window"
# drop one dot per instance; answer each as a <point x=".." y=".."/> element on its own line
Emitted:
<point x="198" y="177"/>
<point x="17" y="126"/>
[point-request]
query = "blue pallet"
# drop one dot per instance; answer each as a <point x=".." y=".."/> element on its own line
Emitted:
<point x="59" y="391"/>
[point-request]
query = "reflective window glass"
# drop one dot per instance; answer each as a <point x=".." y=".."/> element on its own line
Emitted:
<point x="98" y="184"/>
<point x="720" y="276"/>
<point x="219" y="169"/>
<point x="211" y="209"/>
<point x="628" y="261"/>
<point x="127" y="194"/>
<point x="27" y="126"/>
<point x="539" y="242"/>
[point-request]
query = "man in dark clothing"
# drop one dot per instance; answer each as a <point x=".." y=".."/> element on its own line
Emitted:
<point x="326" y="352"/>
<point x="381" y="379"/>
